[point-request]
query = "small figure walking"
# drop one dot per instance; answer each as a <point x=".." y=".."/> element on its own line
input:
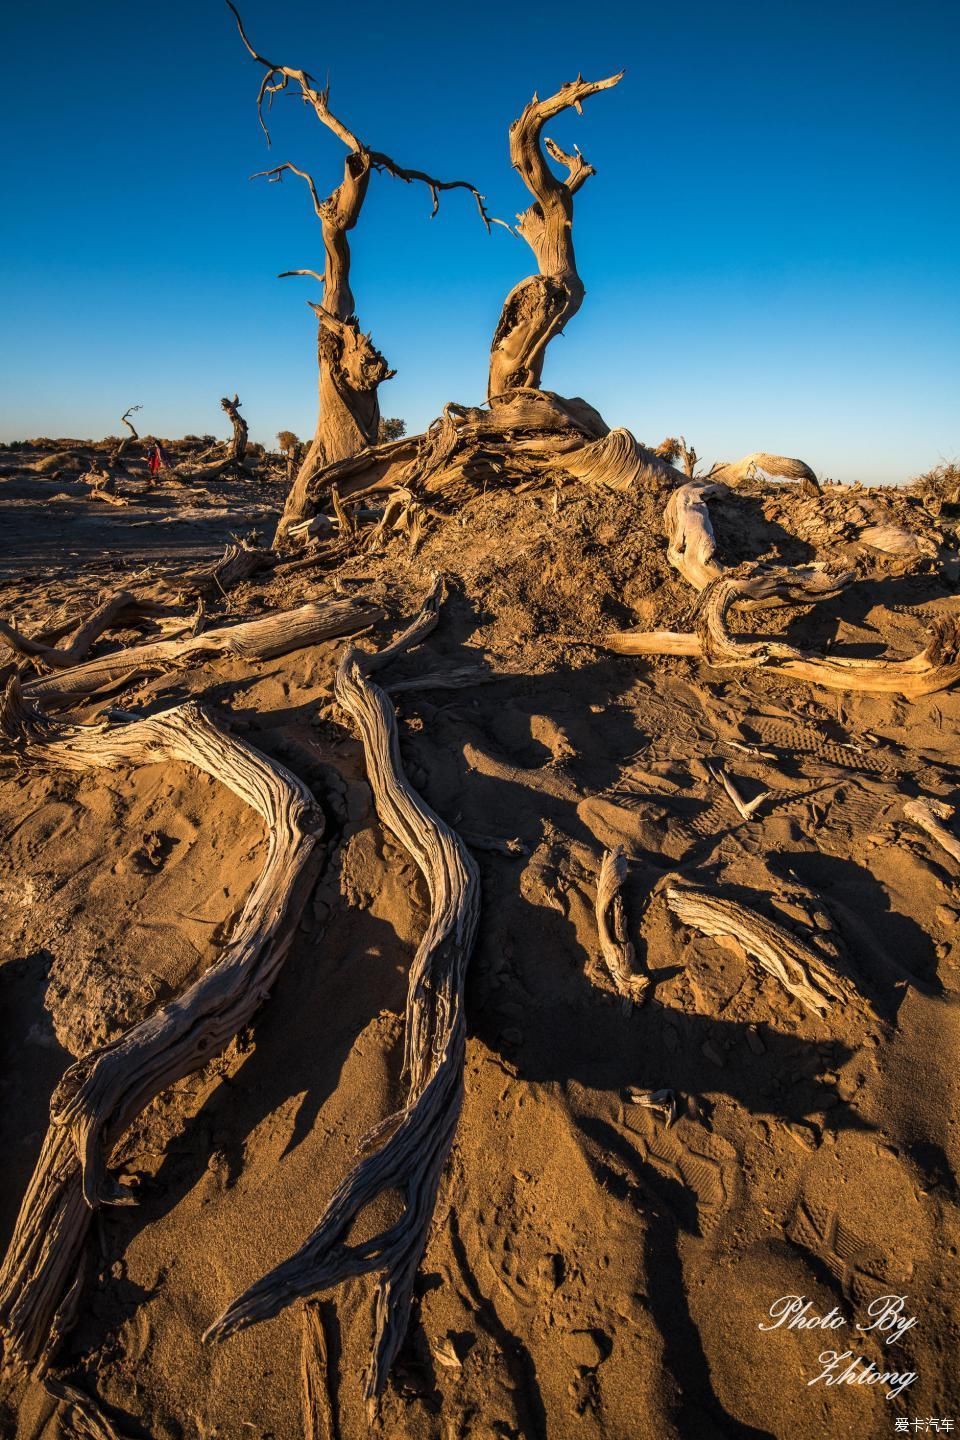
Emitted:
<point x="158" y="459"/>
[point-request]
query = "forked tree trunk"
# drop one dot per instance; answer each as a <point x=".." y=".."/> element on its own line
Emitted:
<point x="538" y="308"/>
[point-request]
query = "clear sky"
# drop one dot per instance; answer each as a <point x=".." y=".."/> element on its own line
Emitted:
<point x="770" y="246"/>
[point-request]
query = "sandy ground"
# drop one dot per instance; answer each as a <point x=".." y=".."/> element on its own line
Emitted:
<point x="592" y="1270"/>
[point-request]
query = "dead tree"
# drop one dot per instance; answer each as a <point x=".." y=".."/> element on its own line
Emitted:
<point x="538" y="308"/>
<point x="350" y="366"/>
<point x="238" y="445"/>
<point x="234" y="458"/>
<point x="117" y="458"/>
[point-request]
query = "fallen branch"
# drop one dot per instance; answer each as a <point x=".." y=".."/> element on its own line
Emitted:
<point x="102" y="618"/>
<point x="102" y="1093"/>
<point x="796" y="966"/>
<point x="618" y="952"/>
<point x="262" y="639"/>
<point x="416" y="1141"/>
<point x="935" y="668"/>
<point x="930" y="815"/>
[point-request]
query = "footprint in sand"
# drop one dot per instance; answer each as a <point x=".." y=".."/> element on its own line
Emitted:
<point x="857" y="1212"/>
<point x="700" y="1160"/>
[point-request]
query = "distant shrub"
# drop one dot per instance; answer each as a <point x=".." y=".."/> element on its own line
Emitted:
<point x="391" y="428"/>
<point x="939" y="484"/>
<point x="287" y="441"/>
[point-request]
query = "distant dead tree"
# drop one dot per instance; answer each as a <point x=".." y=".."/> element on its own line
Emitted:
<point x="351" y="368"/>
<point x="117" y="458"/>
<point x="538" y="308"/>
<point x="392" y="428"/>
<point x="234" y="458"/>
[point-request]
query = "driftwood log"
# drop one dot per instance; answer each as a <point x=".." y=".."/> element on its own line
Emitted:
<point x="101" y="1093"/>
<point x="798" y="968"/>
<point x="415" y="1142"/>
<point x="275" y="634"/>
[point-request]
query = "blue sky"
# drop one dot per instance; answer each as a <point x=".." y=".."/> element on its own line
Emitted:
<point x="770" y="247"/>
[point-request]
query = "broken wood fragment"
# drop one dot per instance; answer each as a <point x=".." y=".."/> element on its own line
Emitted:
<point x="618" y="951"/>
<point x="263" y="639"/>
<point x="799" y="970"/>
<point x="931" y="816"/>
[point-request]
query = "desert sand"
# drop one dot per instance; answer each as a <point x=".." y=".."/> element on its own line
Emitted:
<point x="598" y="1263"/>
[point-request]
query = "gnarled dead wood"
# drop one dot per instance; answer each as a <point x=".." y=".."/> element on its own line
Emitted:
<point x="936" y="667"/>
<point x="117" y="458"/>
<point x="691" y="543"/>
<point x="798" y="968"/>
<point x="618" y="461"/>
<point x="414" y="1143"/>
<point x="263" y="639"/>
<point x="538" y="308"/>
<point x="617" y="949"/>
<point x="234" y="458"/>
<point x="101" y="619"/>
<point x="350" y="367"/>
<point x="931" y="816"/>
<point x="753" y="466"/>
<point x="101" y="1093"/>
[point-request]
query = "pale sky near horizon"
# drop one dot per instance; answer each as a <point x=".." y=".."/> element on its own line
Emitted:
<point x="770" y="245"/>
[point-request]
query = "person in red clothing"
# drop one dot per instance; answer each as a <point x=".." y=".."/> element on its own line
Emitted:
<point x="158" y="460"/>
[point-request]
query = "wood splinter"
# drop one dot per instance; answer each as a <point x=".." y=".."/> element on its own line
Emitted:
<point x="618" y="951"/>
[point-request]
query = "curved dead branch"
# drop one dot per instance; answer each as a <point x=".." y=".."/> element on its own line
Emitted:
<point x="415" y="1143"/>
<point x="755" y="465"/>
<point x="936" y="667"/>
<point x="538" y="308"/>
<point x="101" y="1094"/>
<point x="798" y="968"/>
<point x="263" y="639"/>
<point x="618" y="952"/>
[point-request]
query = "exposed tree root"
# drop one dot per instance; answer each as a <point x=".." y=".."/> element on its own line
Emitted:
<point x="618" y="952"/>
<point x="101" y="1094"/>
<point x="796" y="966"/>
<point x="275" y="634"/>
<point x="692" y="551"/>
<point x="415" y="1142"/>
<point x="936" y="667"/>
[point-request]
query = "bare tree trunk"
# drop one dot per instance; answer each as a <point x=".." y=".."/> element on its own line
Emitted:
<point x="351" y="368"/>
<point x="538" y="308"/>
<point x="238" y="445"/>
